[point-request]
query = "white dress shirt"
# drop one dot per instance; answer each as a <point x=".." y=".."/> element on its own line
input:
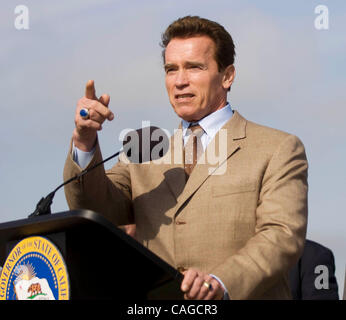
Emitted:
<point x="211" y="124"/>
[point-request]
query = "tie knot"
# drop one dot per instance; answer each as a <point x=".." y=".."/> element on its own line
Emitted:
<point x="196" y="129"/>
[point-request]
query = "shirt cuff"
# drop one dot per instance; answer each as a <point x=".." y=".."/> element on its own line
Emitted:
<point x="225" y="294"/>
<point x="82" y="158"/>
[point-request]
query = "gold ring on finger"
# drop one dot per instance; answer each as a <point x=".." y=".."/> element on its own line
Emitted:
<point x="207" y="285"/>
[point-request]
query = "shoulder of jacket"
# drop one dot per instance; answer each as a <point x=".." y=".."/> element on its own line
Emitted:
<point x="254" y="128"/>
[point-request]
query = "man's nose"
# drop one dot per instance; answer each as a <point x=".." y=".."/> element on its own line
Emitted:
<point x="181" y="79"/>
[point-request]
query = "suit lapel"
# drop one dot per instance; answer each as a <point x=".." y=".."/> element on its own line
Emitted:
<point x="234" y="130"/>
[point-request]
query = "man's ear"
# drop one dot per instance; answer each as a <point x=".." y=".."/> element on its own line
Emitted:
<point x="228" y="76"/>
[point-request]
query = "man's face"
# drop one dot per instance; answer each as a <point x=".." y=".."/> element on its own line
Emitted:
<point x="195" y="86"/>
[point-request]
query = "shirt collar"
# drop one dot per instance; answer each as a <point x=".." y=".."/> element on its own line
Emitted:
<point x="213" y="122"/>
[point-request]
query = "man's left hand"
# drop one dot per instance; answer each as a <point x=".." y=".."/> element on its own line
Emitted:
<point x="195" y="286"/>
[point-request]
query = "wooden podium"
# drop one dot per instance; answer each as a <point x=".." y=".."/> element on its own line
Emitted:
<point x="102" y="262"/>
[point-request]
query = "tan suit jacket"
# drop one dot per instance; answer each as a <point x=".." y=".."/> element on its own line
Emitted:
<point x="246" y="226"/>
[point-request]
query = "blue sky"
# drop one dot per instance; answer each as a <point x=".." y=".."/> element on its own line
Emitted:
<point x="290" y="76"/>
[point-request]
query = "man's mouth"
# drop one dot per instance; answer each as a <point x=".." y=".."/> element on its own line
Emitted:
<point x="184" y="96"/>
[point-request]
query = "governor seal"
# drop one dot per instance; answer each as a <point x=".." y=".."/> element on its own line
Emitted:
<point x="34" y="270"/>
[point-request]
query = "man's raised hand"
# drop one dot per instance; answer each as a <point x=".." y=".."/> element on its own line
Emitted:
<point x="85" y="132"/>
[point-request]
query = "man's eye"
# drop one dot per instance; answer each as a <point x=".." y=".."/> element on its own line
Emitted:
<point x="196" y="67"/>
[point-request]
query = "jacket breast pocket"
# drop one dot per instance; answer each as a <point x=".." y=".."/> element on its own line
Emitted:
<point x="228" y="189"/>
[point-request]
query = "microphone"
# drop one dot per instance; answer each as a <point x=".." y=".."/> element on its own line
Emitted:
<point x="145" y="144"/>
<point x="141" y="145"/>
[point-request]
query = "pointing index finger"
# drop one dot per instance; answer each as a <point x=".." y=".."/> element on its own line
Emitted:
<point x="90" y="91"/>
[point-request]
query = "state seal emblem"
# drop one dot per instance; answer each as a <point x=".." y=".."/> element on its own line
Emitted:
<point x="34" y="270"/>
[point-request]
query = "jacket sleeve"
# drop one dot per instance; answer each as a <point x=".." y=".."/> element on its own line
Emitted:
<point x="106" y="192"/>
<point x="281" y="220"/>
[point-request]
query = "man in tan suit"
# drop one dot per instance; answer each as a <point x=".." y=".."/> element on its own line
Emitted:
<point x="234" y="226"/>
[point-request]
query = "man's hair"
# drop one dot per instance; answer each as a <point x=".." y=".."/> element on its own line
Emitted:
<point x="192" y="26"/>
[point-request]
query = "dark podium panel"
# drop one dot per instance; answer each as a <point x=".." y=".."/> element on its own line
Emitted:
<point x="102" y="261"/>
